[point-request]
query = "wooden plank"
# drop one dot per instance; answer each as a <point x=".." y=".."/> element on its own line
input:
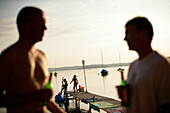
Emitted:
<point x="86" y="95"/>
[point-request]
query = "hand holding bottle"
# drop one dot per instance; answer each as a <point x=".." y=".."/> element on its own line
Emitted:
<point x="48" y="94"/>
<point x="43" y="95"/>
<point x="123" y="90"/>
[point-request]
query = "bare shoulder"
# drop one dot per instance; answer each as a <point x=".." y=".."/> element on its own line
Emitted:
<point x="40" y="56"/>
<point x="9" y="53"/>
<point x="41" y="53"/>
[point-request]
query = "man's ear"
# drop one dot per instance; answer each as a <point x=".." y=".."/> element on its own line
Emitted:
<point x="143" y="33"/>
<point x="25" y="28"/>
<point x="144" y="36"/>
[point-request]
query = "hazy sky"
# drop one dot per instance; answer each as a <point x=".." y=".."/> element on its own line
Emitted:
<point x="80" y="29"/>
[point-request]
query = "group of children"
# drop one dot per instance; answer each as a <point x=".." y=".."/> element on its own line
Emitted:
<point x="65" y="84"/>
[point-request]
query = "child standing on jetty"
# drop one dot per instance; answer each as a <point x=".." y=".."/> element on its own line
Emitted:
<point x="75" y="82"/>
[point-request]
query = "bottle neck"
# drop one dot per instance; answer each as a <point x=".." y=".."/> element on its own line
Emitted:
<point x="123" y="81"/>
<point x="50" y="76"/>
<point x="48" y="86"/>
<point x="122" y="76"/>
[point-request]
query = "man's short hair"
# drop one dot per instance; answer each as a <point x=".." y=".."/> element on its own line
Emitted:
<point x="142" y="23"/>
<point x="27" y="15"/>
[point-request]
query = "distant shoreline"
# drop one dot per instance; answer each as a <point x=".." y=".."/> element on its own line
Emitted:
<point x="92" y="66"/>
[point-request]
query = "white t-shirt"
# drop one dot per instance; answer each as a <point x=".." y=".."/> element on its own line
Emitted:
<point x="150" y="84"/>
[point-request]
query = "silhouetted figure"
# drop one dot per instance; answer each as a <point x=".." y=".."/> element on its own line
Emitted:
<point x="75" y="83"/>
<point x="149" y="75"/>
<point x="64" y="86"/>
<point x="23" y="68"/>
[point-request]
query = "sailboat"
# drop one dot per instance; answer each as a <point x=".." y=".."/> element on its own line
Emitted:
<point x="120" y="69"/>
<point x="55" y="74"/>
<point x="104" y="72"/>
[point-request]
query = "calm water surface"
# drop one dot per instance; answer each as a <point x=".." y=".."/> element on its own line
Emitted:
<point x="97" y="84"/>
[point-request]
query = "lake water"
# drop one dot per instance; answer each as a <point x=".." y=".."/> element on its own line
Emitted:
<point x="96" y="84"/>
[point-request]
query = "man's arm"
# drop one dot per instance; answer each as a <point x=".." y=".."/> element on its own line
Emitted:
<point x="15" y="100"/>
<point x="164" y="86"/>
<point x="54" y="108"/>
<point x="4" y="74"/>
<point x="71" y="81"/>
<point x="42" y="95"/>
<point x="1" y="98"/>
<point x="165" y="108"/>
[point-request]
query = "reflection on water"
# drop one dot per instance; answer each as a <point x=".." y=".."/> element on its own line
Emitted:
<point x="96" y="83"/>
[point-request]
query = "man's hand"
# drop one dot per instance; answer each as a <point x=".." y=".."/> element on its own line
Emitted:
<point x="54" y="108"/>
<point x="120" y="91"/>
<point x="43" y="95"/>
<point x="124" y="94"/>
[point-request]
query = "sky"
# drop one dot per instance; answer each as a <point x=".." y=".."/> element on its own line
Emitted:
<point x="80" y="29"/>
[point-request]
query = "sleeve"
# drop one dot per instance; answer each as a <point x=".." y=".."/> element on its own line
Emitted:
<point x="130" y="71"/>
<point x="163" y="83"/>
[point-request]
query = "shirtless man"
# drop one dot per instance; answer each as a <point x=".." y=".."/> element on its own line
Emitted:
<point x="23" y="68"/>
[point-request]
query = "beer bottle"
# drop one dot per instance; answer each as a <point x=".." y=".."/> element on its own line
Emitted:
<point x="125" y="90"/>
<point x="48" y="86"/>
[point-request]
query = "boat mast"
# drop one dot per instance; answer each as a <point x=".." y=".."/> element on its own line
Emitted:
<point x="102" y="58"/>
<point x="55" y="66"/>
<point x="119" y="60"/>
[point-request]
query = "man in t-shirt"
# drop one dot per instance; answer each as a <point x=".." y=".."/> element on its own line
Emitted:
<point x="149" y="75"/>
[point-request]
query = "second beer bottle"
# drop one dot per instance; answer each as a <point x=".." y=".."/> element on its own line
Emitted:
<point x="123" y="90"/>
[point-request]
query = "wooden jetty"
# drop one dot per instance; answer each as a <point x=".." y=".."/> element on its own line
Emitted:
<point x="111" y="105"/>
